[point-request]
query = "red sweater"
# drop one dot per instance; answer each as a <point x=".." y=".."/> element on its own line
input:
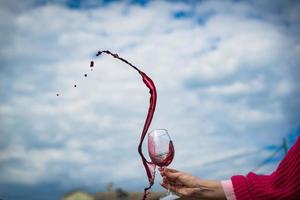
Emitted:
<point x="283" y="183"/>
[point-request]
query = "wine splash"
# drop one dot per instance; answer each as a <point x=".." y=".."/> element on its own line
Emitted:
<point x="149" y="166"/>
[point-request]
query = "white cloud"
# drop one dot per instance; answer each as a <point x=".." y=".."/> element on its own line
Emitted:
<point x="239" y="88"/>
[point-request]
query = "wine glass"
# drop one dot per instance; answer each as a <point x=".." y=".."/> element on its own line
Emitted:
<point x="161" y="151"/>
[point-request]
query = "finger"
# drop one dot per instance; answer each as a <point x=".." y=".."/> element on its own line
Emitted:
<point x="162" y="172"/>
<point x="169" y="186"/>
<point x="182" y="192"/>
<point x="170" y="170"/>
<point x="172" y="176"/>
<point x="170" y="182"/>
<point x="166" y="181"/>
<point x="184" y="198"/>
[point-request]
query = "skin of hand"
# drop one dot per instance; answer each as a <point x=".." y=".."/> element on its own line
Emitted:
<point x="187" y="186"/>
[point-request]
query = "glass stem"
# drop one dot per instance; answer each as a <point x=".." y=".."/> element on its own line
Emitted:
<point x="168" y="188"/>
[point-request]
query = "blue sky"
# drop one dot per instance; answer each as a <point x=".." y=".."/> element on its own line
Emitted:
<point x="227" y="74"/>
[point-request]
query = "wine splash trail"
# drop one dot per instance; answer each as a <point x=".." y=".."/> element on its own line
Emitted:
<point x="149" y="166"/>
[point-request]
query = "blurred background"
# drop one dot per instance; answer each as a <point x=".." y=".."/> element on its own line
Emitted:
<point x="227" y="75"/>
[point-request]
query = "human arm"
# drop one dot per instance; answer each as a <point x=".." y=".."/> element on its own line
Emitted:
<point x="190" y="187"/>
<point x="283" y="183"/>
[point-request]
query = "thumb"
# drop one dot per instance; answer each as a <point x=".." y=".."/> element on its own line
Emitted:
<point x="172" y="175"/>
<point x="171" y="170"/>
<point x="164" y="170"/>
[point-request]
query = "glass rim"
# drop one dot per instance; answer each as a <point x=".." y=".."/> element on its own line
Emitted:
<point x="160" y="131"/>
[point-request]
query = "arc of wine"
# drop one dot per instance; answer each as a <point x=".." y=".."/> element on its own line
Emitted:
<point x="149" y="166"/>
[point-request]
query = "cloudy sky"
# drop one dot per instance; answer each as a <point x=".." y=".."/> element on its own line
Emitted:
<point x="227" y="75"/>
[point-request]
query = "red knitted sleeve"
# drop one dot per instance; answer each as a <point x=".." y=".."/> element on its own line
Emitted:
<point x="283" y="183"/>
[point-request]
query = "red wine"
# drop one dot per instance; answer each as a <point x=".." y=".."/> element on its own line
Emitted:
<point x="92" y="63"/>
<point x="149" y="166"/>
<point x="164" y="159"/>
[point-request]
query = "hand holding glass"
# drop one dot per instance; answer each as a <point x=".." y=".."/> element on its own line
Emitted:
<point x="161" y="151"/>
